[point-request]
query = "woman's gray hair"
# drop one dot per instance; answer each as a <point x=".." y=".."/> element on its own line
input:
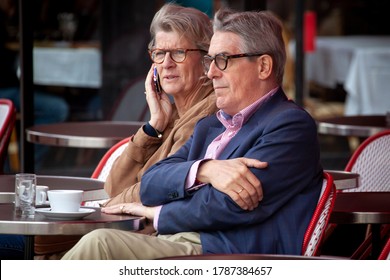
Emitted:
<point x="259" y="31"/>
<point x="191" y="23"/>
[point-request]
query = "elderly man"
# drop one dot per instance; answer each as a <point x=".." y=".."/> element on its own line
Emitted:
<point x="193" y="197"/>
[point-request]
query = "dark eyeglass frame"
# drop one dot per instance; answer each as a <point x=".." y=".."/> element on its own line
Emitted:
<point x="170" y="54"/>
<point x="225" y="59"/>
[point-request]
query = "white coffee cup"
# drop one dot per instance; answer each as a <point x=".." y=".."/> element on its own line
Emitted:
<point x="65" y="201"/>
<point x="41" y="194"/>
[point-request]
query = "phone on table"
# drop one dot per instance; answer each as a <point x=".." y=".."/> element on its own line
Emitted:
<point x="156" y="80"/>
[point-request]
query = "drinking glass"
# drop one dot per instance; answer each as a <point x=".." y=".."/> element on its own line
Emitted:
<point x="25" y="187"/>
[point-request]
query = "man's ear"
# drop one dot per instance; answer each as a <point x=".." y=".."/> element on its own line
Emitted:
<point x="265" y="64"/>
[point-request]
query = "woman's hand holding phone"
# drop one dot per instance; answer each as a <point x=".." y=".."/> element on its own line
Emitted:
<point x="158" y="101"/>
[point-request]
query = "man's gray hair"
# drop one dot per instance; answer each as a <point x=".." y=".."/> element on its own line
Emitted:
<point x="260" y="32"/>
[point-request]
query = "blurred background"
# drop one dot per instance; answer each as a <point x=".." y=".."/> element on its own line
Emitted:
<point x="114" y="35"/>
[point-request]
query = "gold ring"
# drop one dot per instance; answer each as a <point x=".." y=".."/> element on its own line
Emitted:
<point x="122" y="206"/>
<point x="240" y="190"/>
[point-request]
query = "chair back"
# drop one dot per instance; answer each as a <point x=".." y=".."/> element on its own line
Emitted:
<point x="371" y="162"/>
<point x="7" y="122"/>
<point x="315" y="232"/>
<point x="385" y="254"/>
<point x="131" y="104"/>
<point x="103" y="168"/>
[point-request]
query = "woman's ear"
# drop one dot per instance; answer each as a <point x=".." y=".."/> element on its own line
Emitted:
<point x="265" y="64"/>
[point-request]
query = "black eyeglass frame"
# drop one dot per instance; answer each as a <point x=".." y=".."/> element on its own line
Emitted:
<point x="226" y="59"/>
<point x="170" y="53"/>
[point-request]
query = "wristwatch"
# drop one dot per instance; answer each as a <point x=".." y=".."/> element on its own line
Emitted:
<point x="151" y="131"/>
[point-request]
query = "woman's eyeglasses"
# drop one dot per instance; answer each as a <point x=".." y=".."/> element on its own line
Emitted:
<point x="177" y="55"/>
<point x="221" y="60"/>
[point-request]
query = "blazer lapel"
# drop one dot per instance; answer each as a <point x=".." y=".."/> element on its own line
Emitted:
<point x="213" y="132"/>
<point x="255" y="122"/>
<point x="239" y="138"/>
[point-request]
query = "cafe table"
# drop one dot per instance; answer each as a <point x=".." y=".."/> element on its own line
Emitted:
<point x="358" y="126"/>
<point x="344" y="179"/>
<point x="46" y="225"/>
<point x="93" y="188"/>
<point x="98" y="134"/>
<point x="41" y="225"/>
<point x="371" y="208"/>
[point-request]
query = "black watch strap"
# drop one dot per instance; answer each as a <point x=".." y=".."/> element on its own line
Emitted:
<point x="151" y="131"/>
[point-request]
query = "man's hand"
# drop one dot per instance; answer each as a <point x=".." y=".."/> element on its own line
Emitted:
<point x="234" y="178"/>
<point x="134" y="208"/>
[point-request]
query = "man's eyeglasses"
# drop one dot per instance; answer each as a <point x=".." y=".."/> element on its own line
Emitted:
<point x="177" y="55"/>
<point x="221" y="60"/>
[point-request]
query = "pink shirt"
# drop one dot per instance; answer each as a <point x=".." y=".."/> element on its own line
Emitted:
<point x="215" y="148"/>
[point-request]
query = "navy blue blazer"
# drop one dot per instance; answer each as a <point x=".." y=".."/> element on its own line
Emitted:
<point x="280" y="133"/>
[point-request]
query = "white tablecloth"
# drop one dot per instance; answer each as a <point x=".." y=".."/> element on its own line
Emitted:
<point x="368" y="82"/>
<point x="72" y="67"/>
<point x="361" y="64"/>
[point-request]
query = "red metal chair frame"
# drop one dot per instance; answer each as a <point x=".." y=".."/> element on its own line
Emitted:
<point x="376" y="169"/>
<point x="104" y="166"/>
<point x="103" y="169"/>
<point x="364" y="249"/>
<point x="316" y="230"/>
<point x="385" y="254"/>
<point x="6" y="128"/>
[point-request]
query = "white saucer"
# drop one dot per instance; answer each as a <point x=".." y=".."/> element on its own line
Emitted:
<point x="65" y="216"/>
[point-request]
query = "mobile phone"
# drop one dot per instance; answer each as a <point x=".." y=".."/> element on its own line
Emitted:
<point x="156" y="80"/>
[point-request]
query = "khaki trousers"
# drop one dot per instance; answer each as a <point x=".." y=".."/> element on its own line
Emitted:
<point x="111" y="244"/>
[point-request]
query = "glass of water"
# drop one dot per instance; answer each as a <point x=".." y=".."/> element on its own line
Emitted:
<point x="25" y="187"/>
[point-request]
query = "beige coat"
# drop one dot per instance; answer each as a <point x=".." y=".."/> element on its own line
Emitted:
<point x="123" y="182"/>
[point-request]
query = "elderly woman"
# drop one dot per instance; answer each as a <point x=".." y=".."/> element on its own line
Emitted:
<point x="180" y="38"/>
